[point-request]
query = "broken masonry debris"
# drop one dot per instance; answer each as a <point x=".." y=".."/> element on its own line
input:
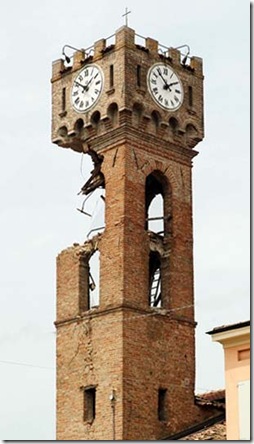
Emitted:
<point x="97" y="178"/>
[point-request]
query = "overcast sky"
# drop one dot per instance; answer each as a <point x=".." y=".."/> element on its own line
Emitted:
<point x="40" y="182"/>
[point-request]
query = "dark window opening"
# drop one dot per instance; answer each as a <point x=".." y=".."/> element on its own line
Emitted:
<point x="155" y="280"/>
<point x="162" y="404"/>
<point x="63" y="99"/>
<point x="138" y="75"/>
<point x="190" y="95"/>
<point x="89" y="404"/>
<point x="111" y="76"/>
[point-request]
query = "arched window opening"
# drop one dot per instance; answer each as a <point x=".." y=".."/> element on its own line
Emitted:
<point x="154" y="204"/>
<point x="94" y="280"/>
<point x="95" y="118"/>
<point x="79" y="124"/>
<point x="137" y="114"/>
<point x="173" y="124"/>
<point x="156" y="118"/>
<point x="113" y="113"/>
<point x="63" y="131"/>
<point x="155" y="280"/>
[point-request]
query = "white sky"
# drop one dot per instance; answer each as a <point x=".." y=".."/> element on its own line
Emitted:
<point x="39" y="183"/>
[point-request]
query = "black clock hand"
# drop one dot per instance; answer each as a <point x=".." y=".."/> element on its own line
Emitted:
<point x="80" y="84"/>
<point x="87" y="85"/>
<point x="166" y="85"/>
<point x="173" y="83"/>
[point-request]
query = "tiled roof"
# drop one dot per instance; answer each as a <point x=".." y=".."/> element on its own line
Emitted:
<point x="215" y="398"/>
<point x="216" y="432"/>
<point x="214" y="395"/>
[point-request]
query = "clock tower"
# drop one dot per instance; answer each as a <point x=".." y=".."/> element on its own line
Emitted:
<point x="126" y="363"/>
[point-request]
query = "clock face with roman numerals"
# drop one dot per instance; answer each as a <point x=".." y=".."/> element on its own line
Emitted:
<point x="86" y="89"/>
<point x="165" y="87"/>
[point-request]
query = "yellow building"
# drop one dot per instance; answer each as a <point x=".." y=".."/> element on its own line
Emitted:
<point x="236" y="343"/>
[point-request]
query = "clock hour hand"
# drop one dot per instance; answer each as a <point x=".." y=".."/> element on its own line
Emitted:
<point x="80" y="84"/>
<point x="173" y="83"/>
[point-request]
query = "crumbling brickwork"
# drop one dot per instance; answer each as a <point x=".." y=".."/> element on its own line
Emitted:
<point x="126" y="347"/>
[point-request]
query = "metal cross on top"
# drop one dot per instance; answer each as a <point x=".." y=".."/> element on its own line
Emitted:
<point x="126" y="16"/>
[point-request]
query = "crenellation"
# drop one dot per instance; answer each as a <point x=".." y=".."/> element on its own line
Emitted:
<point x="99" y="47"/>
<point x="175" y="56"/>
<point x="78" y="60"/>
<point x="57" y="69"/>
<point x="152" y="45"/>
<point x="125" y="37"/>
<point x="197" y="65"/>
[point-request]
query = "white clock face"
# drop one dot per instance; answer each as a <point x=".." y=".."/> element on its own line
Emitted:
<point x="165" y="87"/>
<point x="87" y="88"/>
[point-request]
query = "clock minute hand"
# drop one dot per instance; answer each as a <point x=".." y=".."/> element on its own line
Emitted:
<point x="88" y="83"/>
<point x="166" y="85"/>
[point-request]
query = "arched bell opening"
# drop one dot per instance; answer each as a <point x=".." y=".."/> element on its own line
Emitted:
<point x="157" y="203"/>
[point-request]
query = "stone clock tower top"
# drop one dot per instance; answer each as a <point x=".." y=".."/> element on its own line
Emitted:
<point x="118" y="82"/>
